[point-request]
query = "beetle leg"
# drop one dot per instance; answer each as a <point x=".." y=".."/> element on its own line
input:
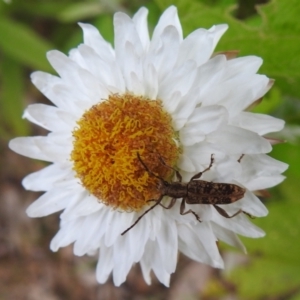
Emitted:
<point x="250" y="216"/>
<point x="182" y="212"/>
<point x="157" y="202"/>
<point x="239" y="160"/>
<point x="198" y="175"/>
<point x="170" y="205"/>
<point x="223" y="213"/>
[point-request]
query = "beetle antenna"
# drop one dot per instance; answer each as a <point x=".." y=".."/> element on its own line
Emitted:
<point x="139" y="218"/>
<point x="178" y="175"/>
<point x="147" y="169"/>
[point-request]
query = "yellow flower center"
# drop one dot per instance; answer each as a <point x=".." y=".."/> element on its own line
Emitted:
<point x="106" y="143"/>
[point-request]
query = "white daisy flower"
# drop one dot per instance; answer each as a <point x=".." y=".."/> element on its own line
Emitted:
<point x="168" y="100"/>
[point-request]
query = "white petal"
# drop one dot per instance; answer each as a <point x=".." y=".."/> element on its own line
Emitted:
<point x="169" y="17"/>
<point x="97" y="90"/>
<point x="45" y="116"/>
<point x="80" y="79"/>
<point x="197" y="46"/>
<point x="244" y="93"/>
<point x="85" y="205"/>
<point x="204" y="211"/>
<point x="264" y="182"/>
<point x="191" y="135"/>
<point x="239" y="224"/>
<point x="58" y="150"/>
<point x="168" y="245"/>
<point x="91" y="238"/>
<point x="203" y="121"/>
<point x="270" y="165"/>
<point x="64" y="97"/>
<point x="28" y="146"/>
<point x="150" y="81"/>
<point x="87" y="233"/>
<point x="200" y="44"/>
<point x="250" y="204"/>
<point x="123" y="260"/>
<point x="50" y="202"/>
<point x="207" y="238"/>
<point x="185" y="163"/>
<point x="146" y="268"/>
<point x="140" y="232"/>
<point x="67" y="118"/>
<point x="66" y="235"/>
<point x="200" y="156"/>
<point x="171" y="94"/>
<point x="65" y="67"/>
<point x="210" y="76"/>
<point x="157" y="263"/>
<point x="107" y="72"/>
<point x="96" y="240"/>
<point x="261" y="171"/>
<point x="44" y="179"/>
<point x="136" y="85"/>
<point x="44" y="82"/>
<point x="246" y="64"/>
<point x="259" y="123"/>
<point x="159" y="52"/>
<point x="118" y="222"/>
<point x="132" y="69"/>
<point x="105" y="264"/>
<point x="207" y="77"/>
<point x="128" y="47"/>
<point x="93" y="39"/>
<point x="228" y="237"/>
<point x="185" y="108"/>
<point x="217" y="31"/>
<point x="141" y="25"/>
<point x="235" y="140"/>
<point x="208" y="118"/>
<point x="192" y="247"/>
<point x="125" y="31"/>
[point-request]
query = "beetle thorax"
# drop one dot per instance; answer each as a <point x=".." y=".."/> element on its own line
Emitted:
<point x="173" y="189"/>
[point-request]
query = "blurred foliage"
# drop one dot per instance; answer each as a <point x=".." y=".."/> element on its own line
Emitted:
<point x="271" y="30"/>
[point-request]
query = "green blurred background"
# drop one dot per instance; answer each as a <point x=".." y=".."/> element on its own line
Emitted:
<point x="29" y="270"/>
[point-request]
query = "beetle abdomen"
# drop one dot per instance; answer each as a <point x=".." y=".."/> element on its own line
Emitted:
<point x="204" y="192"/>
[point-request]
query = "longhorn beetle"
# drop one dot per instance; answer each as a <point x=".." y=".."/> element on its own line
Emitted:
<point x="194" y="192"/>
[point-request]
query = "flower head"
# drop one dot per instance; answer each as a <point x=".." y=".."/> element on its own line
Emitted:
<point x="128" y="121"/>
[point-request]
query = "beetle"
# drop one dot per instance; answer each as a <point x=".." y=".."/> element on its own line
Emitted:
<point x="194" y="192"/>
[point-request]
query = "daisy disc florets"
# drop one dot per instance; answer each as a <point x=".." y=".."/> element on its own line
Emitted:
<point x="165" y="97"/>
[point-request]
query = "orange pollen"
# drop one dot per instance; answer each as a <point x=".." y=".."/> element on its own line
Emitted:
<point x="106" y="142"/>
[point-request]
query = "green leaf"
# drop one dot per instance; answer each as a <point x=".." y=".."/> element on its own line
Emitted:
<point x="22" y="44"/>
<point x="275" y="259"/>
<point x="289" y="153"/>
<point x="104" y="23"/>
<point x="79" y="11"/>
<point x="282" y="227"/>
<point x="41" y="9"/>
<point x="270" y="102"/>
<point x="12" y="90"/>
<point x="295" y="296"/>
<point x="265" y="278"/>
